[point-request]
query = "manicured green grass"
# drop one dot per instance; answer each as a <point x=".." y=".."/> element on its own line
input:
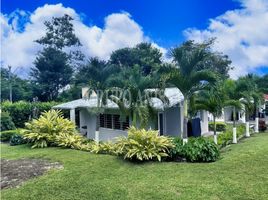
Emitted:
<point x="241" y="173"/>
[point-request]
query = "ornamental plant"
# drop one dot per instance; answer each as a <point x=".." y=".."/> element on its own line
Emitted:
<point x="143" y="145"/>
<point x="46" y="130"/>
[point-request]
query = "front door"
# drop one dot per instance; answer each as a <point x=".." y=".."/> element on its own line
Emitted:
<point x="161" y="123"/>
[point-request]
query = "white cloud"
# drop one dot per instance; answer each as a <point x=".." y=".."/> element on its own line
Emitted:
<point x="19" y="48"/>
<point x="242" y="34"/>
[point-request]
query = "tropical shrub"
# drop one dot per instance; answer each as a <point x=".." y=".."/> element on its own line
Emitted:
<point x="5" y="136"/>
<point x="177" y="152"/>
<point x="226" y="137"/>
<point x="22" y="111"/>
<point x="42" y="132"/>
<point x="201" y="149"/>
<point x="6" y="122"/>
<point x="68" y="140"/>
<point x="141" y="145"/>
<point x="104" y="148"/>
<point x="220" y="126"/>
<point x="17" y="139"/>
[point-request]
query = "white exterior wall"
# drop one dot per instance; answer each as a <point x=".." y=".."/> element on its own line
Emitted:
<point x="106" y="134"/>
<point x="89" y="120"/>
<point x="204" y="122"/>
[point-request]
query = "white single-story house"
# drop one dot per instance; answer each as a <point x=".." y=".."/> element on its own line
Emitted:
<point x="107" y="124"/>
<point x="227" y="115"/>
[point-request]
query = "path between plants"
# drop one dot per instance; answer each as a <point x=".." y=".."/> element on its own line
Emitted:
<point x="15" y="172"/>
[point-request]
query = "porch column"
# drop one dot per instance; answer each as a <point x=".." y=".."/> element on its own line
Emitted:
<point x="97" y="132"/>
<point x="72" y="115"/>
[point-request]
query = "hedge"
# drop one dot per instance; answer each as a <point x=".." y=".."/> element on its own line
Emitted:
<point x="6" y="122"/>
<point x="220" y="126"/>
<point x="23" y="111"/>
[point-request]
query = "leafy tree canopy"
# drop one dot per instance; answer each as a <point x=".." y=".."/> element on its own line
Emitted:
<point x="53" y="67"/>
<point x="21" y="89"/>
<point x="144" y="55"/>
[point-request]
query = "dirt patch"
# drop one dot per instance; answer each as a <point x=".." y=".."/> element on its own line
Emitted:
<point x="15" y="172"/>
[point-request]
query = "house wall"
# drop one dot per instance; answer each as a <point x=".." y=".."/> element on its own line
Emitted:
<point x="106" y="134"/>
<point x="90" y="120"/>
<point x="227" y="114"/>
<point x="172" y="121"/>
<point x="204" y="121"/>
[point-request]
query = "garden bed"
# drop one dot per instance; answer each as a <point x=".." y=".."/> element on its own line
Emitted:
<point x="15" y="172"/>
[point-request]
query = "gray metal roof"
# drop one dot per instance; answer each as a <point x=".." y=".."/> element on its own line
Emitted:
<point x="173" y="94"/>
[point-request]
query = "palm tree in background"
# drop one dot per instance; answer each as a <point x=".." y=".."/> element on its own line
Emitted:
<point x="130" y="90"/>
<point x="213" y="101"/>
<point x="252" y="98"/>
<point x="184" y="75"/>
<point x="234" y="97"/>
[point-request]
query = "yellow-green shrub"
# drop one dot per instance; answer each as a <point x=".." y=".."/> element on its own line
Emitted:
<point x="143" y="145"/>
<point x="42" y="132"/>
<point x="103" y="148"/>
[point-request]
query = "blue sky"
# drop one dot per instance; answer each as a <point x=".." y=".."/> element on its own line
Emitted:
<point x="106" y="25"/>
<point x="163" y="21"/>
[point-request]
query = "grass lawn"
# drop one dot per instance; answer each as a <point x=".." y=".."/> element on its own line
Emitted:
<point x="241" y="173"/>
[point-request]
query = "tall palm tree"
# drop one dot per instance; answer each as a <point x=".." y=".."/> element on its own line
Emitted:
<point x="184" y="73"/>
<point x="213" y="101"/>
<point x="251" y="98"/>
<point x="130" y="90"/>
<point x="234" y="96"/>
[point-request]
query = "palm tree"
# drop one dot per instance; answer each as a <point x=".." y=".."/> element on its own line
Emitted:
<point x="234" y="96"/>
<point x="184" y="74"/>
<point x="213" y="101"/>
<point x="130" y="90"/>
<point x="251" y="98"/>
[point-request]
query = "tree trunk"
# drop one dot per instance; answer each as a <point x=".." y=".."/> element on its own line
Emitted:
<point x="234" y="126"/>
<point x="185" y="120"/>
<point x="247" y="124"/>
<point x="215" y="130"/>
<point x="234" y="117"/>
<point x="134" y="119"/>
<point x="257" y="119"/>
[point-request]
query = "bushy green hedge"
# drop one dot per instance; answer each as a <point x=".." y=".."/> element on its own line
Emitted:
<point x="198" y="149"/>
<point x="220" y="126"/>
<point x="22" y="111"/>
<point x="6" y="122"/>
<point x="5" y="136"/>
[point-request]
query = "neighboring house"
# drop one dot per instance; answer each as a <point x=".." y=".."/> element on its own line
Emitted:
<point x="227" y="113"/>
<point x="107" y="124"/>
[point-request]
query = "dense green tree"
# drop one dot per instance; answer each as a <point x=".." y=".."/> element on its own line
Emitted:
<point x="93" y="73"/>
<point x="262" y="83"/>
<point x="21" y="88"/>
<point x="147" y="57"/>
<point x="53" y="67"/>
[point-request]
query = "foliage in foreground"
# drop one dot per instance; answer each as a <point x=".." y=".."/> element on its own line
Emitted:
<point x="5" y="136"/>
<point x="199" y="149"/>
<point x="141" y="145"/>
<point x="44" y="131"/>
<point x="6" y="122"/>
<point x="17" y="139"/>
